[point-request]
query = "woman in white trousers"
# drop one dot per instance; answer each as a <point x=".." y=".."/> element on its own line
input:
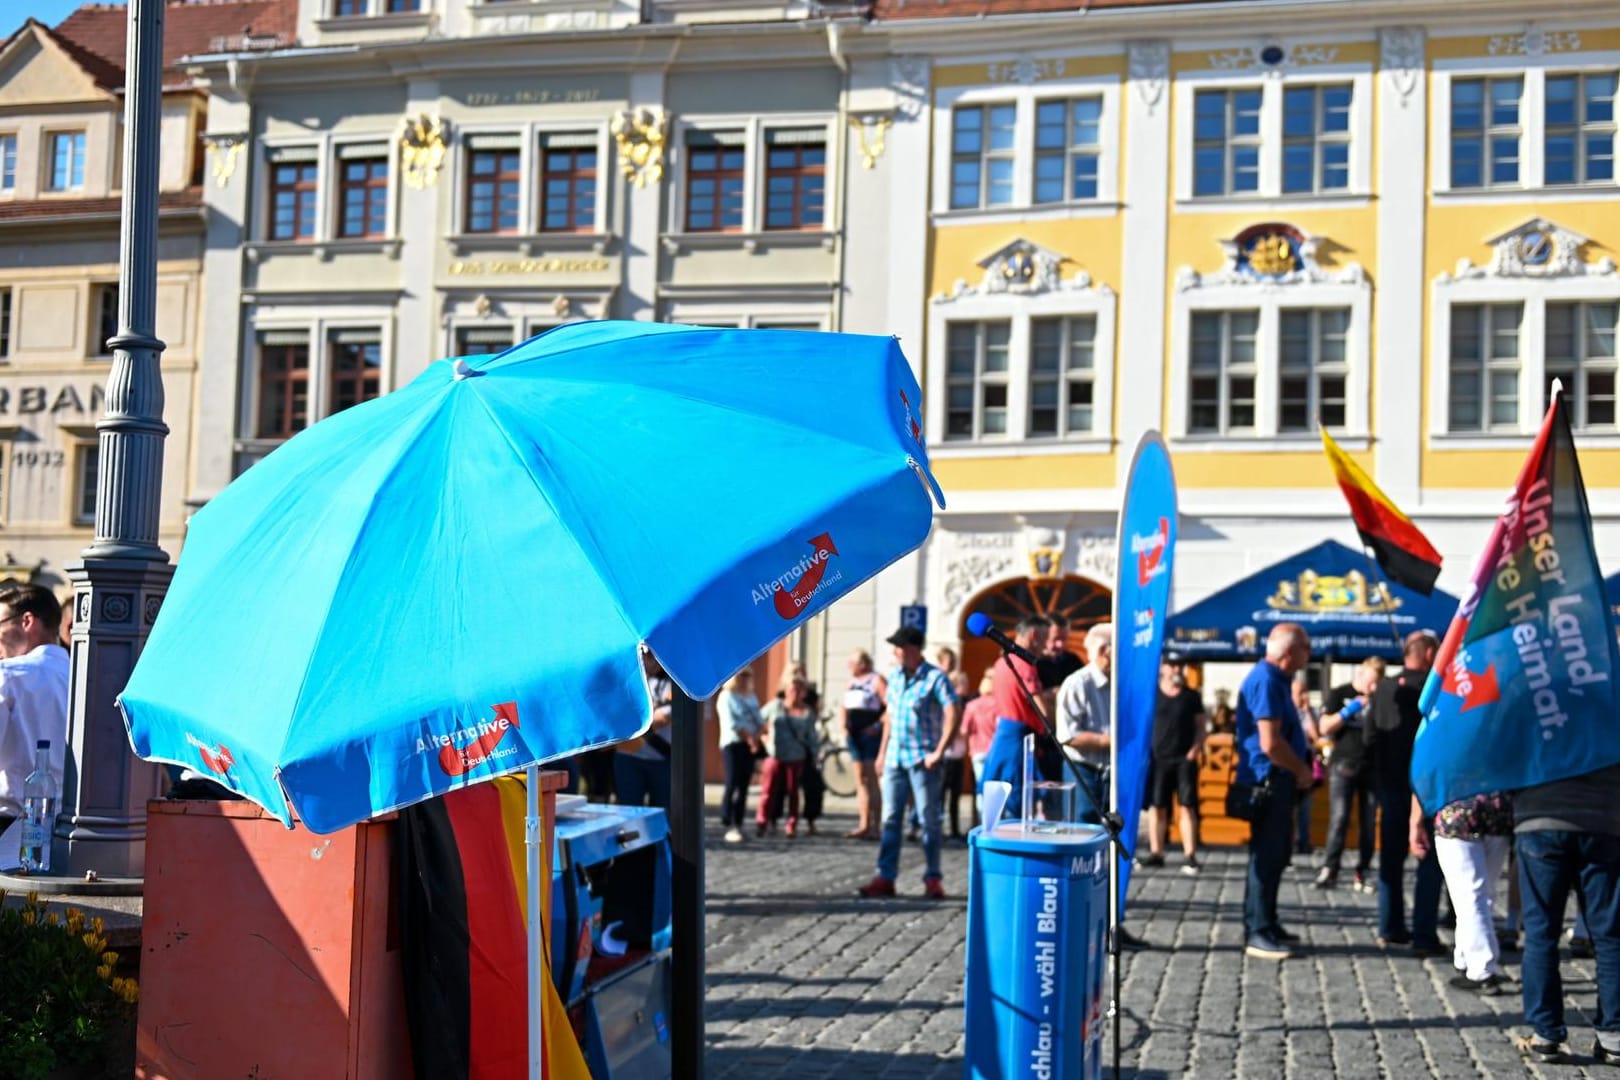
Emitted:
<point x="1471" y="840"/>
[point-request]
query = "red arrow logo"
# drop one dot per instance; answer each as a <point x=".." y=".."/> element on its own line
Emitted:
<point x="1147" y="562"/>
<point x="459" y="760"/>
<point x="1475" y="689"/>
<point x="219" y="761"/>
<point x="916" y="432"/>
<point x="789" y="602"/>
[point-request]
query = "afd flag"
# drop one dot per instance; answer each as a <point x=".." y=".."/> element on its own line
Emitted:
<point x="1146" y="546"/>
<point x="1523" y="689"/>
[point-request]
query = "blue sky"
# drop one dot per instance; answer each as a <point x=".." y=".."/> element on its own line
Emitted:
<point x="13" y="13"/>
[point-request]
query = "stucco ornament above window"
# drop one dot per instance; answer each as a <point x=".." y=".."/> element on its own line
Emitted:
<point x="639" y="134"/>
<point x="1534" y="41"/>
<point x="1537" y="249"/>
<point x="1022" y="268"/>
<point x="1270" y="58"/>
<point x="421" y="150"/>
<point x="223" y="151"/>
<point x="1271" y="255"/>
<point x="1024" y="70"/>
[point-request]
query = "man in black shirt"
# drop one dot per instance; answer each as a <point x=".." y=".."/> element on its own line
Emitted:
<point x="1395" y="719"/>
<point x="1344" y="713"/>
<point x="1178" y="739"/>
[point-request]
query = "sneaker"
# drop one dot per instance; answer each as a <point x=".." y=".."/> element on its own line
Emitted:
<point x="1546" y="1051"/>
<point x="1191" y="867"/>
<point x="759" y="831"/>
<point x="1392" y="941"/>
<point x="878" y="886"/>
<point x="792" y="829"/>
<point x="1489" y="986"/>
<point x="1287" y="937"/>
<point x="1361" y="883"/>
<point x="1602" y="1054"/>
<point x="933" y="889"/>
<point x="1327" y="878"/>
<point x="1265" y="947"/>
<point x="734" y="836"/>
<point x="1149" y="860"/>
<point x="1580" y="948"/>
<point x="810" y="827"/>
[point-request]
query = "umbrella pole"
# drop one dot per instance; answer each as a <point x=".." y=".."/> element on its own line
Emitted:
<point x="531" y="840"/>
<point x="686" y="844"/>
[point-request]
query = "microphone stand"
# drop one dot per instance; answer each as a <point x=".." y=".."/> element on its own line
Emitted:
<point x="1112" y="823"/>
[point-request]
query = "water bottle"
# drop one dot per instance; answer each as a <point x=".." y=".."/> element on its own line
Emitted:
<point x="39" y="812"/>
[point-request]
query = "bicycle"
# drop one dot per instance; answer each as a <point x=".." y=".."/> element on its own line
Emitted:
<point x="837" y="772"/>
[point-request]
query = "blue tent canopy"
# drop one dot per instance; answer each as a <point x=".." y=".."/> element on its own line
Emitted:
<point x="1611" y="587"/>
<point x="1331" y="590"/>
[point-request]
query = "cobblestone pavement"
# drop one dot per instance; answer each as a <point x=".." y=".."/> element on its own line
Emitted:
<point x="807" y="980"/>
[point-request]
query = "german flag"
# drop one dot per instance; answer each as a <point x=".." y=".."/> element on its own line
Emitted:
<point x="1403" y="552"/>
<point x="464" y="888"/>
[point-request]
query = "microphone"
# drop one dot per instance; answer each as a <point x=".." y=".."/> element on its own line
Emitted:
<point x="979" y="625"/>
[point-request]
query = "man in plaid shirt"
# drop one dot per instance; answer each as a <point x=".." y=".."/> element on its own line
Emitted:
<point x="920" y="724"/>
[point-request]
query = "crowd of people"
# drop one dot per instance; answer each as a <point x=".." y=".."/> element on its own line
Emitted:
<point x="1564" y="837"/>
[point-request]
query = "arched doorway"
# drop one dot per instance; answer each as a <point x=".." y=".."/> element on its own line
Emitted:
<point x="1082" y="601"/>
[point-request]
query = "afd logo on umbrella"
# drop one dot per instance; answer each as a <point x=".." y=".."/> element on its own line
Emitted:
<point x="1149" y="552"/>
<point x="217" y="758"/>
<point x="465" y="749"/>
<point x="792" y="590"/>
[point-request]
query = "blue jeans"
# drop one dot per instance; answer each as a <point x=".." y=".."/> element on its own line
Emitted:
<point x="1550" y="863"/>
<point x="1270" y="844"/>
<point x="1395" y="807"/>
<point x="900" y="784"/>
<point x="638" y="781"/>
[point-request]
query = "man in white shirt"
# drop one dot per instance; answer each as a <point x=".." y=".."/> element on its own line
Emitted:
<point x="33" y="691"/>
<point x="1083" y="721"/>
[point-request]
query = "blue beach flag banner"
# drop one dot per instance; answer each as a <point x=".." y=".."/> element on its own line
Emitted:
<point x="1146" y="546"/>
<point x="1523" y="691"/>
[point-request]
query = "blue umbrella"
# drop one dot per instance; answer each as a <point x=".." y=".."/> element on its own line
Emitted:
<point x="451" y="582"/>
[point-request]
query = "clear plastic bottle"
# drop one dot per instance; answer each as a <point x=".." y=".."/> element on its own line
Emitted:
<point x="39" y="812"/>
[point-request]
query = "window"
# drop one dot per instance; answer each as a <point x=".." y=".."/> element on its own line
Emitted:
<point x="400" y="7"/>
<point x="494" y="179"/>
<point x="568" y="183"/>
<point x="976" y="379"/>
<point x="283" y="383"/>
<point x="86" y="469"/>
<point x="341" y="8"/>
<point x="715" y="180"/>
<point x="8" y="164"/>
<point x="1062" y="376"/>
<point x="1313" y="369"/>
<point x="66" y="162"/>
<point x="1485" y="132"/>
<point x="1579" y="129"/>
<point x="292" y="200"/>
<point x="1581" y="352"/>
<point x="106" y="324"/>
<point x="1221" y="392"/>
<point x="1316" y="138"/>
<point x="1226" y="141"/>
<point x="795" y="178"/>
<point x="482" y="340"/>
<point x="354" y="360"/>
<point x="362" y="192"/>
<point x="5" y="324"/>
<point x="1484" y="369"/>
<point x="1068" y="148"/>
<point x="983" y="144"/>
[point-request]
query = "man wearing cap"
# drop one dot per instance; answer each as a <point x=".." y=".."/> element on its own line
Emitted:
<point x="923" y="716"/>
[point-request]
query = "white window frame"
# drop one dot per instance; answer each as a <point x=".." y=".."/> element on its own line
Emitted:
<point x="1226" y="372"/>
<point x="1270" y="301"/>
<point x="1584" y="362"/>
<point x="1360" y="78"/>
<point x="1534" y="294"/>
<point x="1532" y="125"/>
<point x="754" y="151"/>
<point x="8" y="190"/>
<point x="1064" y="377"/>
<point x="319" y="329"/>
<point x="1099" y="303"/>
<point x="529" y="136"/>
<point x="1024" y="99"/>
<point x="81" y="450"/>
<point x="48" y="161"/>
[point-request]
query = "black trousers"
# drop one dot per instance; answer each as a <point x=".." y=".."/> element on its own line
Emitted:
<point x="739" y="762"/>
<point x="953" y="793"/>
<point x="1346" y="792"/>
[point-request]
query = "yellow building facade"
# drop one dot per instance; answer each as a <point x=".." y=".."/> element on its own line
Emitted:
<point x="1231" y="224"/>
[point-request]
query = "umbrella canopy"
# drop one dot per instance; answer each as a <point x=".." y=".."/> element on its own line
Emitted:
<point x="1611" y="590"/>
<point x="451" y="582"/>
<point x="1328" y="589"/>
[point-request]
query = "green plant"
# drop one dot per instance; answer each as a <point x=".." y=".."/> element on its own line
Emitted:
<point x="60" y="1001"/>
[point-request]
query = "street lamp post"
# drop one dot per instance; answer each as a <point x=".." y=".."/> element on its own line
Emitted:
<point x="122" y="579"/>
